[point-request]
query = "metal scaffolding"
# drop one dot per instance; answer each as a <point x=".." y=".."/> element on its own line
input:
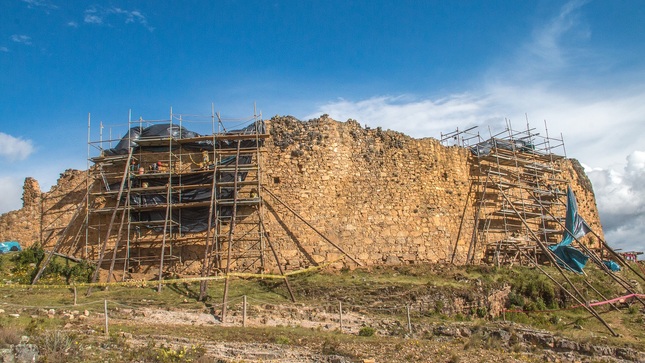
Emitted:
<point x="518" y="189"/>
<point x="139" y="201"/>
<point x="160" y="202"/>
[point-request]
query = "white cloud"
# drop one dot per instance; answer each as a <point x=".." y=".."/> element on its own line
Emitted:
<point x="72" y="24"/>
<point x="11" y="191"/>
<point x="545" y="45"/>
<point x="4" y="49"/>
<point x="91" y="16"/>
<point x="14" y="149"/>
<point x="20" y="38"/>
<point x="40" y="4"/>
<point x="97" y="15"/>
<point x="416" y="117"/>
<point x="620" y="195"/>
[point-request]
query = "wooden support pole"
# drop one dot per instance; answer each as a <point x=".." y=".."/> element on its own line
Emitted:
<point x="166" y="221"/>
<point x="231" y="231"/>
<point x="473" y="240"/>
<point x="407" y="310"/>
<point x="624" y="284"/>
<point x="311" y="226"/>
<point x="75" y="295"/>
<point x="118" y="237"/>
<point x="59" y="242"/>
<point x="461" y="224"/>
<point x="203" y="285"/>
<point x="547" y="252"/>
<point x="277" y="261"/>
<point x="124" y="179"/>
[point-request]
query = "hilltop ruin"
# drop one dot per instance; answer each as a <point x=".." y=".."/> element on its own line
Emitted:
<point x="301" y="194"/>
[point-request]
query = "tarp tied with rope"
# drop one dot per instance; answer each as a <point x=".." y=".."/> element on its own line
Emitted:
<point x="575" y="227"/>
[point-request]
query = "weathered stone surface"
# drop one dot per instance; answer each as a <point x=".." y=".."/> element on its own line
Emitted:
<point x="383" y="197"/>
<point x="44" y="215"/>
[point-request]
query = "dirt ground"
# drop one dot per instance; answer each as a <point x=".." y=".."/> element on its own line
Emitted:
<point x="333" y="346"/>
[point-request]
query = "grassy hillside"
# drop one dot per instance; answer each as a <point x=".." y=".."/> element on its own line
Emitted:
<point x="465" y="314"/>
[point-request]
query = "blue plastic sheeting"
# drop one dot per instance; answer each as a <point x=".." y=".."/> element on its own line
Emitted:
<point x="570" y="258"/>
<point x="575" y="227"/>
<point x="574" y="222"/>
<point x="10" y="246"/>
<point x="612" y="265"/>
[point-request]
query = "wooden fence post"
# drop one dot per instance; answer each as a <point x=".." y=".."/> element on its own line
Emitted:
<point x="340" y="314"/>
<point x="244" y="312"/>
<point x="105" y="310"/>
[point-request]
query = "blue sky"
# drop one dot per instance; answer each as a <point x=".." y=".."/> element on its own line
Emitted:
<point x="420" y="67"/>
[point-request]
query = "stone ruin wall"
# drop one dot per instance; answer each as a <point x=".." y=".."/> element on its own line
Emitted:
<point x="384" y="197"/>
<point x="44" y="215"/>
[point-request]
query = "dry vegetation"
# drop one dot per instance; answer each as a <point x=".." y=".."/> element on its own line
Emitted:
<point x="452" y="311"/>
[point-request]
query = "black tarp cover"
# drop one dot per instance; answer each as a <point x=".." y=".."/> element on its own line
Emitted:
<point x="191" y="219"/>
<point x="129" y="140"/>
<point x="484" y="148"/>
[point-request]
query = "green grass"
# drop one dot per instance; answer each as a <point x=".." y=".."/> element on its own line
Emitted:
<point x="429" y="288"/>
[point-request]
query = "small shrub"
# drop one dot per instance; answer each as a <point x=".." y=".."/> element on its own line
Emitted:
<point x="520" y="318"/>
<point x="366" y="331"/>
<point x="183" y="354"/>
<point x="482" y="312"/>
<point x="579" y="321"/>
<point x="55" y="342"/>
<point x="9" y="336"/>
<point x="460" y="317"/>
<point x="515" y="299"/>
<point x="633" y="309"/>
<point x="35" y="326"/>
<point x="555" y="319"/>
<point x="438" y="306"/>
<point x="330" y="347"/>
<point x="33" y="254"/>
<point x="475" y="341"/>
<point x="281" y="339"/>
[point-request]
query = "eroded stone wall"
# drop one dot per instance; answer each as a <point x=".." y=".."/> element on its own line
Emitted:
<point x="44" y="215"/>
<point x="381" y="196"/>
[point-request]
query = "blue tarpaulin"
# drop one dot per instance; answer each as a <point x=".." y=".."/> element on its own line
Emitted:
<point x="574" y="222"/>
<point x="575" y="227"/>
<point x="570" y="258"/>
<point x="612" y="265"/>
<point x="10" y="246"/>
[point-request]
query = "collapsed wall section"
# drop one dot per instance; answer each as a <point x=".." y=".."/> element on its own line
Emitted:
<point x="44" y="215"/>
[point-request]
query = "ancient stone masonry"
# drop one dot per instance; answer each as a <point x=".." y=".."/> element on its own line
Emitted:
<point x="386" y="197"/>
<point x="383" y="197"/>
<point x="44" y="215"/>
